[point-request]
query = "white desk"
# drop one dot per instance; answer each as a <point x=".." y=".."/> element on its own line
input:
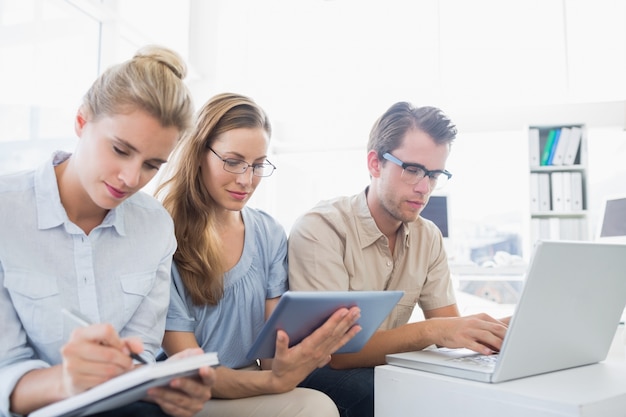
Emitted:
<point x="591" y="391"/>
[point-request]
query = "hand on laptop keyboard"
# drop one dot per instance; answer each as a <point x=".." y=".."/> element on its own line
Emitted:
<point x="487" y="361"/>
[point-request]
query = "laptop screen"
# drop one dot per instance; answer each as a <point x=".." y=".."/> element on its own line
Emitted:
<point x="613" y="220"/>
<point x="437" y="211"/>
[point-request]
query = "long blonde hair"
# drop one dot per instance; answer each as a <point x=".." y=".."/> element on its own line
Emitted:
<point x="151" y="81"/>
<point x="199" y="256"/>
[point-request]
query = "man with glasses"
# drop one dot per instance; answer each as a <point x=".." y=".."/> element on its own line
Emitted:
<point x="376" y="240"/>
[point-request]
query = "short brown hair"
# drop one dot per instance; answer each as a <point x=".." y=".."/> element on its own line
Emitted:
<point x="390" y="128"/>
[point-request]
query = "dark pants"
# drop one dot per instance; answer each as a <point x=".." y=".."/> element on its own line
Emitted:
<point x="351" y="389"/>
<point x="136" y="409"/>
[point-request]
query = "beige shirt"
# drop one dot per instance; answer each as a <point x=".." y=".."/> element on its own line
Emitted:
<point x="337" y="246"/>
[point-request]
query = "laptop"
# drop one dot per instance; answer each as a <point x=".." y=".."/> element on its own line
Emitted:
<point x="300" y="313"/>
<point x="612" y="224"/>
<point x="567" y="315"/>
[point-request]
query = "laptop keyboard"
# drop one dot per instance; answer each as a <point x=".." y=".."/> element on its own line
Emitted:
<point x="485" y="361"/>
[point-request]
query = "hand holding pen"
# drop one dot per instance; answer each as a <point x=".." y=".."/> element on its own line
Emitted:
<point x="83" y="321"/>
<point x="94" y="354"/>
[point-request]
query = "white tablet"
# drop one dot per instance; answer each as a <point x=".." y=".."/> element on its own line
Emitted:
<point x="300" y="313"/>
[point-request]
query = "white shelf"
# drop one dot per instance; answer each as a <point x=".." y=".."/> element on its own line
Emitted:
<point x="558" y="207"/>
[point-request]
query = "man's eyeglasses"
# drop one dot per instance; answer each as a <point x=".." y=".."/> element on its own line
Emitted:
<point x="237" y="166"/>
<point x="414" y="173"/>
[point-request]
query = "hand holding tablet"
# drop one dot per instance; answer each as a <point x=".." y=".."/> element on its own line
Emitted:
<point x="300" y="313"/>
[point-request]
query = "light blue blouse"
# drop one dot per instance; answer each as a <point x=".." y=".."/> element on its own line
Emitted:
<point x="119" y="273"/>
<point x="231" y="326"/>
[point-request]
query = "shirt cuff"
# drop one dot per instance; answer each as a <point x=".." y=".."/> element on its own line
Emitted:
<point x="180" y="324"/>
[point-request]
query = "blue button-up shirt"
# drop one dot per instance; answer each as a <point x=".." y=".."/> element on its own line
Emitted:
<point x="118" y="274"/>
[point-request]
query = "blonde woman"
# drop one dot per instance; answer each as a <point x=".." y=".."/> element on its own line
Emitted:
<point x="77" y="233"/>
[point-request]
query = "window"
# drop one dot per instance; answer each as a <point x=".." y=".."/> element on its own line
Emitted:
<point x="50" y="58"/>
<point x="52" y="50"/>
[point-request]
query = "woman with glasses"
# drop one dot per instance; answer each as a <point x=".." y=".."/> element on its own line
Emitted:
<point x="230" y="268"/>
<point x="376" y="240"/>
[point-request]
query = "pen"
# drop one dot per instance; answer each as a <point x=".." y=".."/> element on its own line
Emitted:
<point x="78" y="318"/>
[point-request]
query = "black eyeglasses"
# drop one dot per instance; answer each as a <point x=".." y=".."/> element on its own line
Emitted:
<point x="414" y="173"/>
<point x="237" y="166"/>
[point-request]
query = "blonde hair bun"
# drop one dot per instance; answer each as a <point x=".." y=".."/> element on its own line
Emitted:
<point x="165" y="56"/>
<point x="152" y="81"/>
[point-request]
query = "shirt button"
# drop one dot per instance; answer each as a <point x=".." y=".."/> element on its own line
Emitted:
<point x="389" y="263"/>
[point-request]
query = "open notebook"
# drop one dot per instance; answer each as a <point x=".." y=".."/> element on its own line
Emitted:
<point x="127" y="388"/>
<point x="571" y="304"/>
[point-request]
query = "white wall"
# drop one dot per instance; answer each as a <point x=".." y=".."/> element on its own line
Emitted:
<point x="326" y="69"/>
